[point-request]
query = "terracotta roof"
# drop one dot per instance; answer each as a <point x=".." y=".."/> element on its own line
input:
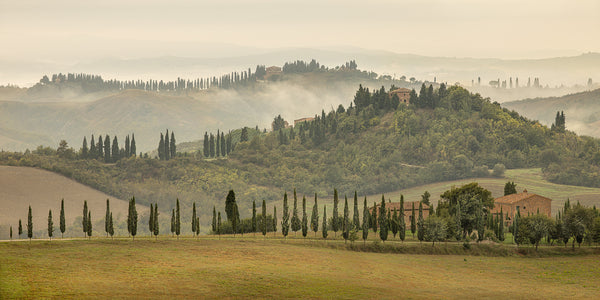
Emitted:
<point x="510" y="199"/>
<point x="404" y="90"/>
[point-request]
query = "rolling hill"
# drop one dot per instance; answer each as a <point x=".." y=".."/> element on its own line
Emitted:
<point x="43" y="190"/>
<point x="582" y="110"/>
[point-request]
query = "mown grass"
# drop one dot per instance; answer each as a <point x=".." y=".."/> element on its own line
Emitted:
<point x="257" y="267"/>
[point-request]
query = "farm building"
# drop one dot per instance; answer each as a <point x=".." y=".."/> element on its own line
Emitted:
<point x="525" y="202"/>
<point x="272" y="71"/>
<point x="403" y="94"/>
<point x="309" y="119"/>
<point x="408" y="206"/>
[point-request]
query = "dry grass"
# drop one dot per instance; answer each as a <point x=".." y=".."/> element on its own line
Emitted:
<point x="272" y="268"/>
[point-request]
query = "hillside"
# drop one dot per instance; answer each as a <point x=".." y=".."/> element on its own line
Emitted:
<point x="582" y="110"/>
<point x="43" y="190"/>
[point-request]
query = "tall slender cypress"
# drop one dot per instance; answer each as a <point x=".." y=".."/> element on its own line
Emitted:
<point x="151" y="220"/>
<point x="355" y="217"/>
<point x="219" y="225"/>
<point x="62" y="218"/>
<point x="107" y="217"/>
<point x="194" y="217"/>
<point x="254" y="216"/>
<point x="167" y="146"/>
<point x="115" y="150"/>
<point x="324" y="225"/>
<point x="84" y="221"/>
<point x="274" y="220"/>
<point x="402" y="222"/>
<point x="346" y="220"/>
<point x="11" y="232"/>
<point x="111" y="229"/>
<point x="223" y="146"/>
<point x="50" y="225"/>
<point x="132" y="218"/>
<point x="218" y="144"/>
<point x="365" y="223"/>
<point x="84" y="149"/>
<point x="383" y="222"/>
<point x="132" y="147"/>
<point x="155" y="219"/>
<point x="173" y="146"/>
<point x="89" y="225"/>
<point x="296" y="224"/>
<point x="173" y="223"/>
<point x="264" y="218"/>
<point x="214" y="219"/>
<point x="20" y="229"/>
<point x="285" y="219"/>
<point x="29" y="224"/>
<point x="107" y="149"/>
<point x="206" y="152"/>
<point x="335" y="223"/>
<point x="304" y="218"/>
<point x="421" y="224"/>
<point x="413" y="227"/>
<point x="314" y="218"/>
<point x="177" y="220"/>
<point x="161" y="147"/>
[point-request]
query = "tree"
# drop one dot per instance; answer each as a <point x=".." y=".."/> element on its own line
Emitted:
<point x="394" y="223"/>
<point x="480" y="222"/>
<point x="274" y="220"/>
<point x="510" y="188"/>
<point x="223" y="145"/>
<point x="264" y="218"/>
<point x="84" y="221"/>
<point x="413" y="227"/>
<point x="324" y="225"/>
<point x="161" y="147"/>
<point x="501" y="226"/>
<point x="537" y="227"/>
<point x="425" y="198"/>
<point x="346" y="221"/>
<point x="132" y="147"/>
<point x="383" y="222"/>
<point x="214" y="220"/>
<point x="62" y="218"/>
<point x="402" y="223"/>
<point x="435" y="229"/>
<point x="244" y="135"/>
<point x="254" y="217"/>
<point x="469" y="197"/>
<point x="173" y="223"/>
<point x="89" y="225"/>
<point x="296" y="225"/>
<point x="355" y="217"/>
<point x="219" y="224"/>
<point x="421" y="224"/>
<point x="194" y="217"/>
<point x="167" y="150"/>
<point x="173" y="146"/>
<point x="115" y="150"/>
<point x="314" y="218"/>
<point x="107" y="217"/>
<point x="132" y="218"/>
<point x="177" y="219"/>
<point x="285" y="219"/>
<point x="127" y="147"/>
<point x="29" y="224"/>
<point x="155" y="228"/>
<point x="373" y="218"/>
<point x="234" y="221"/>
<point x="151" y="220"/>
<point x="206" y="151"/>
<point x="365" y="223"/>
<point x="111" y="229"/>
<point x="107" y="149"/>
<point x="334" y="221"/>
<point x="230" y="205"/>
<point x="50" y="225"/>
<point x="20" y="229"/>
<point x="99" y="147"/>
<point x="84" y="149"/>
<point x="304" y="218"/>
<point x="11" y="232"/>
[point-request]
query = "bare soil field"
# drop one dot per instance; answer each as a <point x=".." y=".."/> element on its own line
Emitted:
<point x="43" y="190"/>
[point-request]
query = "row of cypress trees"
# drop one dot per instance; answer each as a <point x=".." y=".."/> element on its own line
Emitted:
<point x="105" y="151"/>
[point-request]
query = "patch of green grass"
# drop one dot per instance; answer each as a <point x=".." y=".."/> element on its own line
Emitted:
<point x="255" y="267"/>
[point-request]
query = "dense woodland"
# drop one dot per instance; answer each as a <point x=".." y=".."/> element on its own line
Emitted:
<point x="369" y="146"/>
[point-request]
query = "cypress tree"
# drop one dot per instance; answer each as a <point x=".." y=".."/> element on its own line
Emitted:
<point x="115" y="150"/>
<point x="106" y="218"/>
<point x="173" y="223"/>
<point x="161" y="147"/>
<point x="401" y="221"/>
<point x="218" y="144"/>
<point x="167" y="150"/>
<point x="205" y="148"/>
<point x="62" y="218"/>
<point x="334" y="224"/>
<point x="84" y="220"/>
<point x="264" y="218"/>
<point x="295" y="220"/>
<point x="421" y="224"/>
<point x="274" y="220"/>
<point x="211" y="145"/>
<point x="99" y="148"/>
<point x="373" y="218"/>
<point x="480" y="222"/>
<point x="223" y="146"/>
<point x="127" y="147"/>
<point x="346" y="220"/>
<point x="20" y="229"/>
<point x="219" y="225"/>
<point x="155" y="219"/>
<point x="214" y="222"/>
<point x="29" y="225"/>
<point x="132" y="147"/>
<point x="383" y="223"/>
<point x="355" y="217"/>
<point x="457" y="220"/>
<point x="314" y="218"/>
<point x="324" y="225"/>
<point x="132" y="218"/>
<point x="151" y="220"/>
<point x="304" y="218"/>
<point x="366" y="222"/>
<point x="254" y="217"/>
<point x="197" y="226"/>
<point x="173" y="146"/>
<point x="111" y="229"/>
<point x="394" y="223"/>
<point x="92" y="152"/>
<point x="230" y="203"/>
<point x="84" y="149"/>
<point x="89" y="225"/>
<point x="501" y="226"/>
<point x="177" y="220"/>
<point x="107" y="149"/>
<point x="285" y="222"/>
<point x="50" y="225"/>
<point x="11" y="232"/>
<point x="194" y="217"/>
<point x="413" y="227"/>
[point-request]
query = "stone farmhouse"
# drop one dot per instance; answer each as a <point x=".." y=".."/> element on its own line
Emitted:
<point x="403" y="94"/>
<point x="408" y="206"/>
<point x="525" y="202"/>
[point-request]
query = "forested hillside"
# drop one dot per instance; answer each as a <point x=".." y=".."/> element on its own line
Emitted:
<point x="375" y="145"/>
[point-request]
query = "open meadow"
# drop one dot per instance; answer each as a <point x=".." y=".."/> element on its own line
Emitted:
<point x="273" y="268"/>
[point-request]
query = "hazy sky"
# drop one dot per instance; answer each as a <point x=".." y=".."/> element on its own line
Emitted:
<point x="79" y="30"/>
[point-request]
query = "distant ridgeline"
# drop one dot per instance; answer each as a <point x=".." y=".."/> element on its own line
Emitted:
<point x="94" y="83"/>
<point x="378" y="144"/>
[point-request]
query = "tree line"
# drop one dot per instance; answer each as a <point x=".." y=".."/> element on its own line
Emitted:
<point x="102" y="149"/>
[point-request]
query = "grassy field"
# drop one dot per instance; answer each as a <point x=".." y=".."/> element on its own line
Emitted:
<point x="273" y="268"/>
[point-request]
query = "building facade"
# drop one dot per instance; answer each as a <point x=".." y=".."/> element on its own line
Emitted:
<point x="526" y="203"/>
<point x="403" y="95"/>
